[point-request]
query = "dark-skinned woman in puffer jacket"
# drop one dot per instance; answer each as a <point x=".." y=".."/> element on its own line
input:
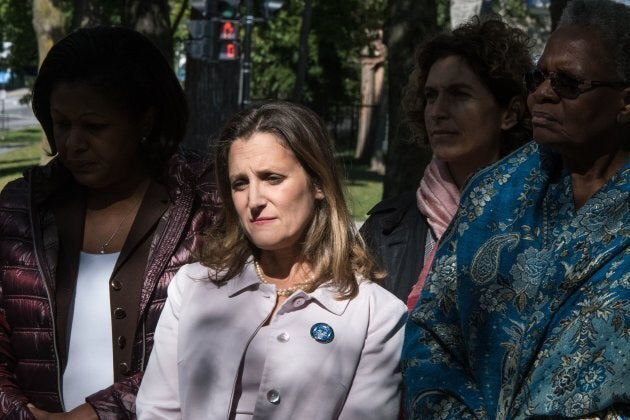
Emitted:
<point x="90" y="242"/>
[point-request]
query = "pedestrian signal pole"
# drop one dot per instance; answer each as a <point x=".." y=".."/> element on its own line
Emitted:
<point x="269" y="7"/>
<point x="212" y="69"/>
<point x="214" y="36"/>
<point x="246" y="63"/>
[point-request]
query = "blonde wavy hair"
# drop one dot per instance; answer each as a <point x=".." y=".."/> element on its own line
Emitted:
<point x="332" y="245"/>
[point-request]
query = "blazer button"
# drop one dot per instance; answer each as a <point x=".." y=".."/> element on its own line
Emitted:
<point x="119" y="313"/>
<point x="283" y="337"/>
<point x="116" y="285"/>
<point x="122" y="341"/>
<point x="298" y="302"/>
<point x="123" y="368"/>
<point x="273" y="396"/>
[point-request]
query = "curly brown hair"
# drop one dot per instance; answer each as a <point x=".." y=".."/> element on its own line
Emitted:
<point x="498" y="54"/>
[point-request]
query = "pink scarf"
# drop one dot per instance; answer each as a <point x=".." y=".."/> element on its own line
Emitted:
<point x="438" y="198"/>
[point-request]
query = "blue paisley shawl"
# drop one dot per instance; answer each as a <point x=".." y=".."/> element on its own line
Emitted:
<point x="527" y="311"/>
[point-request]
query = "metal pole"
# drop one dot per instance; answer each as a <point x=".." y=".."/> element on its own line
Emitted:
<point x="246" y="62"/>
<point x="3" y="126"/>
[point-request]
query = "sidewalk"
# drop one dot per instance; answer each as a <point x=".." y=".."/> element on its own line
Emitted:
<point x="13" y="114"/>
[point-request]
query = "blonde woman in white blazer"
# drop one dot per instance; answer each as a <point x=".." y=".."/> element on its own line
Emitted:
<point x="281" y="318"/>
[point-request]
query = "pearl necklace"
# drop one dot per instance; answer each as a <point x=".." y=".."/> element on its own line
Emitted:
<point x="283" y="292"/>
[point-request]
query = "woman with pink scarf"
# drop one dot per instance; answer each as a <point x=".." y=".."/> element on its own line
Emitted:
<point x="467" y="101"/>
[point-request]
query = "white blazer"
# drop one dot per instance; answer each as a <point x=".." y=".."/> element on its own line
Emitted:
<point x="204" y="331"/>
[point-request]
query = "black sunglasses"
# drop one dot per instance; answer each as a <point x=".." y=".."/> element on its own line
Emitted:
<point x="564" y="85"/>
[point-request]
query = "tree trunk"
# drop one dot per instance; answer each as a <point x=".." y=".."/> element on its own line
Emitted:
<point x="151" y="18"/>
<point x="88" y="13"/>
<point x="49" y="25"/>
<point x="212" y="93"/>
<point x="372" y="112"/>
<point x="300" y="73"/>
<point x="409" y="21"/>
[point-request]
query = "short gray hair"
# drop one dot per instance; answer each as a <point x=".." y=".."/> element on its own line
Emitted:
<point x="609" y="19"/>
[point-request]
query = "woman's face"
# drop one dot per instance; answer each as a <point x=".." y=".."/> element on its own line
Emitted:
<point x="462" y="118"/>
<point x="96" y="140"/>
<point x="583" y="128"/>
<point x="272" y="194"/>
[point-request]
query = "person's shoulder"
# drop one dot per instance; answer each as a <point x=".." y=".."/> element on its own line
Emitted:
<point x="380" y="297"/>
<point x="389" y="214"/>
<point x="191" y="170"/>
<point x="194" y="272"/>
<point x="189" y="277"/>
<point x="17" y="191"/>
<point x="187" y="164"/>
<point x="15" y="188"/>
<point x="519" y="160"/>
<point x="393" y="204"/>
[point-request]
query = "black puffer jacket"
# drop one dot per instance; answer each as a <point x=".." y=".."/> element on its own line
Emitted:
<point x="31" y="362"/>
<point x="396" y="234"/>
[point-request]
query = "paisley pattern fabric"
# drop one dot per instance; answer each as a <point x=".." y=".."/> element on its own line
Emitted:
<point x="527" y="310"/>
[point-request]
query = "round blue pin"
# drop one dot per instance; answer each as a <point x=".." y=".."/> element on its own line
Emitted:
<point x="322" y="333"/>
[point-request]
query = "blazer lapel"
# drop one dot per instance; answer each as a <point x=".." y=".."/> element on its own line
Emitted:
<point x="154" y="204"/>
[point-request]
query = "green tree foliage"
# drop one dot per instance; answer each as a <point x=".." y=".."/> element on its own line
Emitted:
<point x="274" y="49"/>
<point x="16" y="27"/>
<point x="339" y="31"/>
<point x="516" y="13"/>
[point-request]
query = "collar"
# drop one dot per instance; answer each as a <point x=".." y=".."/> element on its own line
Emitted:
<point x="325" y="295"/>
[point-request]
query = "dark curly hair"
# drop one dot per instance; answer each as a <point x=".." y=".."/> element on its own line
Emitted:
<point x="127" y="68"/>
<point x="498" y="54"/>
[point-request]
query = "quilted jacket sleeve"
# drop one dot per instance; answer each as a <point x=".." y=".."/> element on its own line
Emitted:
<point x="12" y="400"/>
<point x="118" y="401"/>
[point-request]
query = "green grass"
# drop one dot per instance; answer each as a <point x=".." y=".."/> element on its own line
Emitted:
<point x="364" y="188"/>
<point x="26" y="151"/>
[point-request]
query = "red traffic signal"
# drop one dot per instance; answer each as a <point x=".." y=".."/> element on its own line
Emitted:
<point x="227" y="40"/>
<point x="228" y="30"/>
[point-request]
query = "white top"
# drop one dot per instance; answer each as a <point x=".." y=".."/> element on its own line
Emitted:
<point x="90" y="355"/>
<point x="205" y="330"/>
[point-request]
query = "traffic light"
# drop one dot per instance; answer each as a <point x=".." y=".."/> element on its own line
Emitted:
<point x="227" y="48"/>
<point x="228" y="9"/>
<point x="199" y="46"/>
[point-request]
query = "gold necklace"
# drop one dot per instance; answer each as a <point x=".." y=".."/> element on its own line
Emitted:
<point x="283" y="292"/>
<point x="106" y="243"/>
<point x="132" y="210"/>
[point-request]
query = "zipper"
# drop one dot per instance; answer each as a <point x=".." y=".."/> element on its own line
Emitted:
<point x="37" y="246"/>
<point x="144" y="346"/>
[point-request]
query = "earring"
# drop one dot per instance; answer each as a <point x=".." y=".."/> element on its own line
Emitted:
<point x="143" y="140"/>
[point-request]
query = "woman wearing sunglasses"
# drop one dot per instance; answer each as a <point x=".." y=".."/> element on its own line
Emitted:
<point x="466" y="100"/>
<point x="526" y="312"/>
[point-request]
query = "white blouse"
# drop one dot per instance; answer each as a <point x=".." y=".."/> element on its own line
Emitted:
<point x="90" y="354"/>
